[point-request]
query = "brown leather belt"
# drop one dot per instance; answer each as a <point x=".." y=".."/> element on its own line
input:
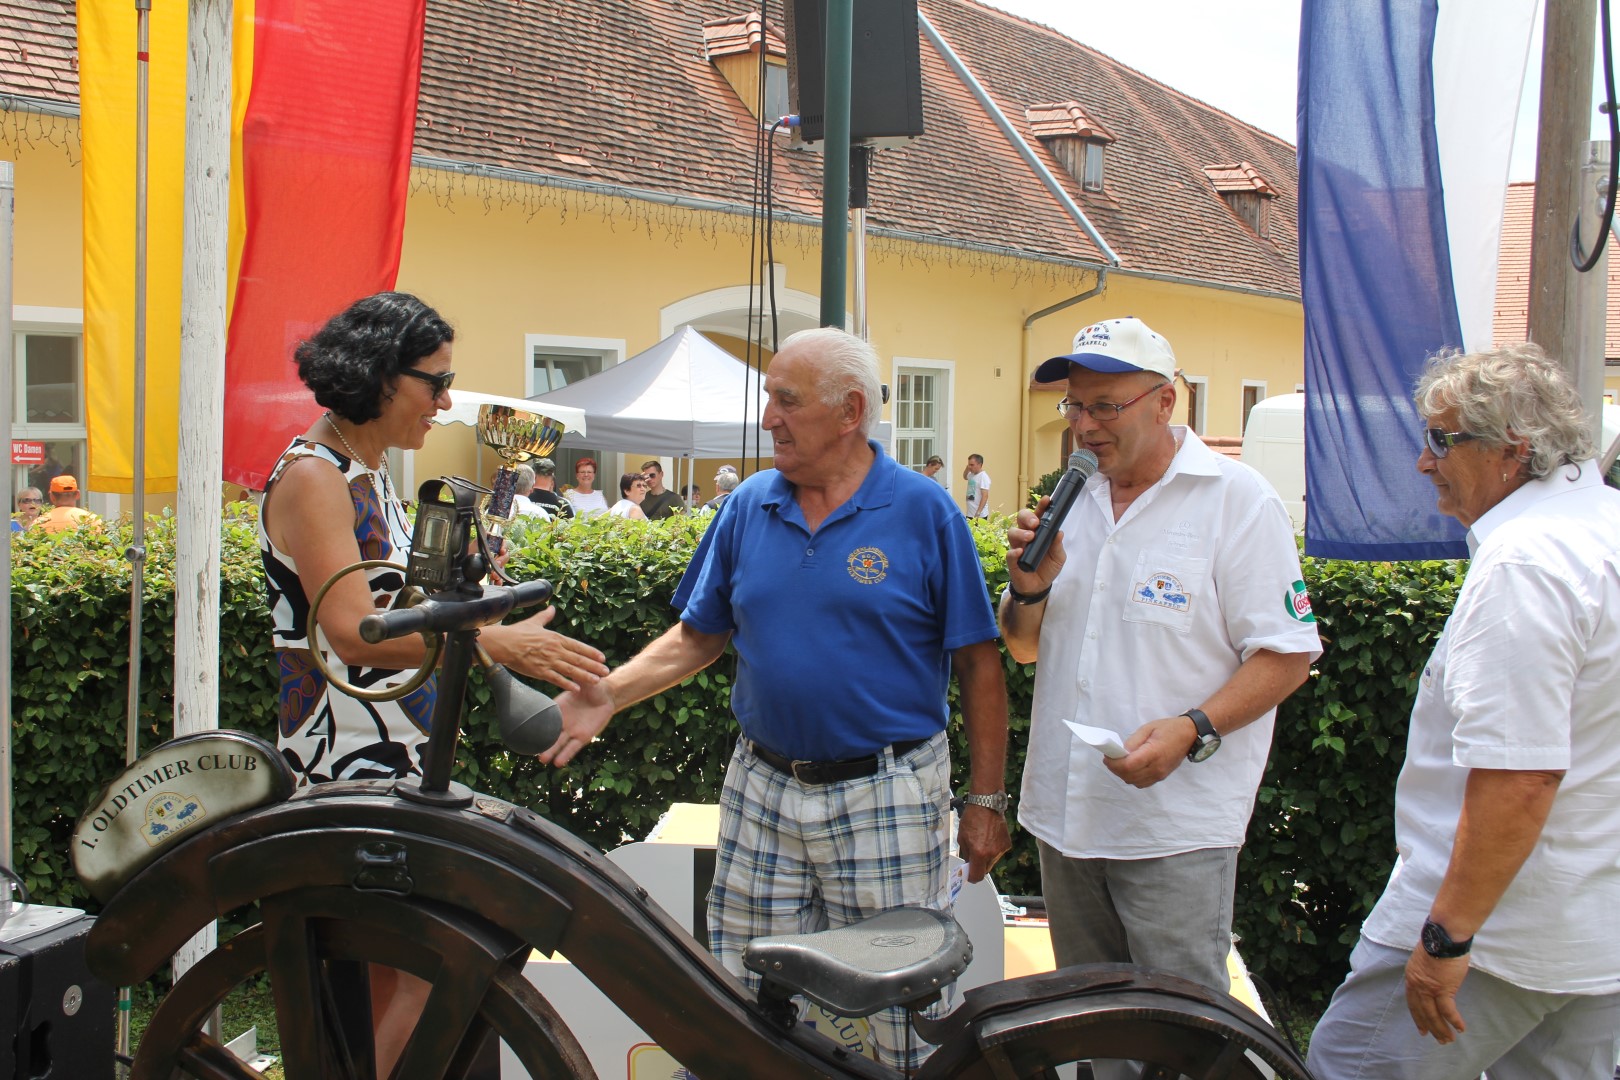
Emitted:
<point x="829" y="772"/>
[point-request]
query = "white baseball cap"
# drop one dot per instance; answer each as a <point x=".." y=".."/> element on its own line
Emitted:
<point x="1113" y="346"/>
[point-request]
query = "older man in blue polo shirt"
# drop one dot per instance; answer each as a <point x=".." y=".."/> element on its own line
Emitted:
<point x="850" y="588"/>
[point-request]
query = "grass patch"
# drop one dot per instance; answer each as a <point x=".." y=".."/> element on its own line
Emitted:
<point x="248" y="1005"/>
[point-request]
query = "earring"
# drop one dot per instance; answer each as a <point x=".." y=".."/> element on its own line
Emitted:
<point x="1504" y="478"/>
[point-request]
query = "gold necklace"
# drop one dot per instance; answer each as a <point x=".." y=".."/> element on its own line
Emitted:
<point x="331" y="423"/>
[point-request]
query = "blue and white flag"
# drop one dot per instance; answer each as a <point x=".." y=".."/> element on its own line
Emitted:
<point x="1406" y="117"/>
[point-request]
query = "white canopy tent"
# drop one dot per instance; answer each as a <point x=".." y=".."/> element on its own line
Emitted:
<point x="683" y="398"/>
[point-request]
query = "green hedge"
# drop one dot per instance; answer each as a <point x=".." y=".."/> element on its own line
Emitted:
<point x="1319" y="848"/>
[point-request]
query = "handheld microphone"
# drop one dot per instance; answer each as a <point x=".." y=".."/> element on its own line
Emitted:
<point x="1082" y="463"/>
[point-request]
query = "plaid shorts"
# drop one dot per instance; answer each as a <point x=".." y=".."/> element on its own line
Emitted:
<point x="798" y="858"/>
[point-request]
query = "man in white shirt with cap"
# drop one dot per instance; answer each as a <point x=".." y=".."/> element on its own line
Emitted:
<point x="1171" y="613"/>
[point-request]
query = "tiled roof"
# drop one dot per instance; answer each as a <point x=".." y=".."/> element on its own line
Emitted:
<point x="1051" y="120"/>
<point x="1238" y="178"/>
<point x="742" y="34"/>
<point x="621" y="93"/>
<point x="1512" y="316"/>
<point x="39" y="52"/>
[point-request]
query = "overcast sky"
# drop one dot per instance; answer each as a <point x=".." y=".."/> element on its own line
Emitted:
<point x="1243" y="59"/>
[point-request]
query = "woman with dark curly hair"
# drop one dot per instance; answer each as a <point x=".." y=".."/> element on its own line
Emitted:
<point x="382" y="371"/>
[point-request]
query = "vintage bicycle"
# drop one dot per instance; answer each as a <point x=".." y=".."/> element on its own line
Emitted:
<point x="458" y="889"/>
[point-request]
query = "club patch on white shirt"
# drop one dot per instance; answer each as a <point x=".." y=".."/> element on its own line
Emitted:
<point x="1162" y="589"/>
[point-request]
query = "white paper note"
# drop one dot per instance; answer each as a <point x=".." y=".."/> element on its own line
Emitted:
<point x="1103" y="740"/>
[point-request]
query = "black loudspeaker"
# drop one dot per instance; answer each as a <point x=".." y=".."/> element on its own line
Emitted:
<point x="885" y="91"/>
<point x="56" y="1019"/>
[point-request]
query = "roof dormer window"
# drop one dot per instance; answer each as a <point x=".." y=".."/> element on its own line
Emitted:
<point x="1246" y="192"/>
<point x="733" y="46"/>
<point x="1076" y="140"/>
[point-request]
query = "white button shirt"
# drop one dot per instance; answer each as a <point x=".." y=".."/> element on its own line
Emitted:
<point x="1526" y="676"/>
<point x="1150" y="616"/>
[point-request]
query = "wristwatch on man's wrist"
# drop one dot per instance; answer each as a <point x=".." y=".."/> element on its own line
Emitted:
<point x="1439" y="944"/>
<point x="996" y="801"/>
<point x="1207" y="741"/>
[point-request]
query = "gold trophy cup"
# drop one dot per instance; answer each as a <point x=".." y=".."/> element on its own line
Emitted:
<point x="516" y="435"/>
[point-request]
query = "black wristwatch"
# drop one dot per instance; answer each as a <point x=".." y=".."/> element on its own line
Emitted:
<point x="1207" y="741"/>
<point x="1438" y="944"/>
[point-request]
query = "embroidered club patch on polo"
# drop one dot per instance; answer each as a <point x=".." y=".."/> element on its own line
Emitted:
<point x="868" y="565"/>
<point x="1298" y="602"/>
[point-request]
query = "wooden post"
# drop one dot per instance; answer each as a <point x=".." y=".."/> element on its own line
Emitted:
<point x="202" y="384"/>
<point x="1569" y="36"/>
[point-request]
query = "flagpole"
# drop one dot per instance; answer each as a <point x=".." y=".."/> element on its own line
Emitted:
<point x="136" y="552"/>
<point x="202" y="386"/>
<point x="7" y="383"/>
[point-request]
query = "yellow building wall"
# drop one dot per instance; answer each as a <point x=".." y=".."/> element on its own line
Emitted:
<point x="47" y="226"/>
<point x="503" y="260"/>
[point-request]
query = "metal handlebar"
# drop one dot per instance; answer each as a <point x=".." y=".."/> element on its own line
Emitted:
<point x="449" y="616"/>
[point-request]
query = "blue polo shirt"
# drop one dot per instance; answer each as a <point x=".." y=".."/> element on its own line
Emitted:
<point x="843" y="638"/>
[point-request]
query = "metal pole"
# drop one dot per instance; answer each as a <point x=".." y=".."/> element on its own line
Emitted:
<point x="860" y="170"/>
<point x="1568" y="39"/>
<point x="835" y="167"/>
<point x="136" y="552"/>
<point x="1589" y="294"/>
<point x="7" y="385"/>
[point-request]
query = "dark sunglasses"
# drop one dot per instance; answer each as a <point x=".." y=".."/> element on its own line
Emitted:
<point x="440" y="382"/>
<point x="1440" y="442"/>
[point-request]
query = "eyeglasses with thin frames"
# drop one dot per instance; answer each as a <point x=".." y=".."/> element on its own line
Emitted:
<point x="1102" y="411"/>
<point x="1440" y="442"/>
<point x="440" y="382"/>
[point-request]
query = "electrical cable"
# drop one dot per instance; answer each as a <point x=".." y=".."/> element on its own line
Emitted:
<point x="1578" y="255"/>
<point x="750" y="354"/>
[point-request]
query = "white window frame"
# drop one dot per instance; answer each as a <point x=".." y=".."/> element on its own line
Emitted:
<point x="1198" y="418"/>
<point x="775" y="72"/>
<point x="1257" y="384"/>
<point x="68" y="322"/>
<point x="612" y="352"/>
<point x="945" y="370"/>
<point x="1091" y="176"/>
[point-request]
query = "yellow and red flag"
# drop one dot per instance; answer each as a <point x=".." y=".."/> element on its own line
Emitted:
<point x="324" y="106"/>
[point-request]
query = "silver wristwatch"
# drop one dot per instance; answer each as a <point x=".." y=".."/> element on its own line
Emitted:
<point x="996" y="802"/>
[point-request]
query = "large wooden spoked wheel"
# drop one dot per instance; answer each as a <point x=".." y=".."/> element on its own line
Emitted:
<point x="317" y="946"/>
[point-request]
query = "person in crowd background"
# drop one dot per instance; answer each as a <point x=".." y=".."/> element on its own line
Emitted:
<point x="725" y="482"/>
<point x="932" y="466"/>
<point x="65" y="514"/>
<point x="587" y="501"/>
<point x="523" y="491"/>
<point x="544" y="493"/>
<point x="632" y="493"/>
<point x="660" y="501"/>
<point x="29" y="501"/>
<point x="978" y="487"/>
